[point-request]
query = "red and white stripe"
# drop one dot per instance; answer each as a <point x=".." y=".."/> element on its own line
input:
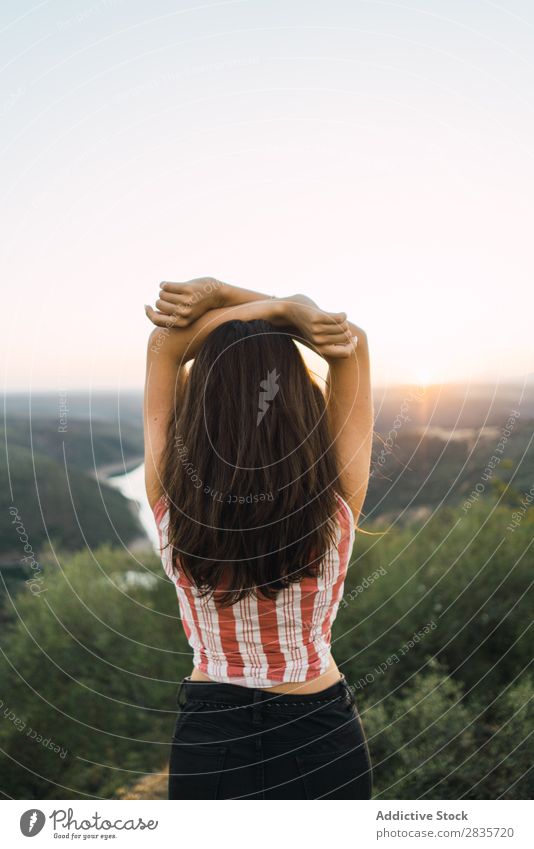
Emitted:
<point x="248" y="634"/>
<point x="260" y="642"/>
<point x="291" y="635"/>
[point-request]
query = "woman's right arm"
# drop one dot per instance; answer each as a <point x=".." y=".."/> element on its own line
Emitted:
<point x="350" y="411"/>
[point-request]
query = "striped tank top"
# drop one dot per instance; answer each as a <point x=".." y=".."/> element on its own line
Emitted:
<point x="260" y="642"/>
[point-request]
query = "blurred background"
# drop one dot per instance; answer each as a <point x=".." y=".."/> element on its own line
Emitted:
<point x="374" y="155"/>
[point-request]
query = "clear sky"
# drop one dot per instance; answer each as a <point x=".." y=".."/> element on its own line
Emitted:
<point x="375" y="155"/>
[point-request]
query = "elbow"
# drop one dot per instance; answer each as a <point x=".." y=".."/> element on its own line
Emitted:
<point x="359" y="332"/>
<point x="156" y="340"/>
<point x="362" y="347"/>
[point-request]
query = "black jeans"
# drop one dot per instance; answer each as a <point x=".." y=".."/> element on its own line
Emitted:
<point x="234" y="742"/>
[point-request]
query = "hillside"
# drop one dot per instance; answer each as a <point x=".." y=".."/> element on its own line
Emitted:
<point x="58" y="503"/>
<point x="417" y="471"/>
<point x="84" y="444"/>
<point x="432" y="636"/>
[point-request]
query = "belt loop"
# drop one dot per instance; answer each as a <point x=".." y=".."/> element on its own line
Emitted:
<point x="349" y="694"/>
<point x="257" y="700"/>
<point x="181" y="702"/>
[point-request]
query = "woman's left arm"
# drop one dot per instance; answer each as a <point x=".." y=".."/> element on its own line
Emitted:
<point x="170" y="348"/>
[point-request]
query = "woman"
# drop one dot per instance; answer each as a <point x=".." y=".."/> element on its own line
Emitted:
<point x="257" y="478"/>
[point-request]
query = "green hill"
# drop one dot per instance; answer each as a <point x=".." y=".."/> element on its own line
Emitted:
<point x="417" y="469"/>
<point x="58" y="503"/>
<point x="86" y="444"/>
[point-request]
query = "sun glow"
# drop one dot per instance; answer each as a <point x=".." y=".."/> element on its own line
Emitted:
<point x="424" y="377"/>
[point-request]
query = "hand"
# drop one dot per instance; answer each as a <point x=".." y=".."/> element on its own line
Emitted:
<point x="180" y="304"/>
<point x="328" y="333"/>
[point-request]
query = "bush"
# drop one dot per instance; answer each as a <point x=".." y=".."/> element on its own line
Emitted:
<point x="462" y="572"/>
<point x="433" y="629"/>
<point x="417" y="738"/>
<point x="92" y="666"/>
<point x="503" y="765"/>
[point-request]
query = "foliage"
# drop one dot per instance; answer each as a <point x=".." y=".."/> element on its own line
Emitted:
<point x="433" y="635"/>
<point x="437" y="647"/>
<point x="92" y="665"/>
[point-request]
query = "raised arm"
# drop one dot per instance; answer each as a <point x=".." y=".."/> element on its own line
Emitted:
<point x="169" y="350"/>
<point x="186" y="314"/>
<point x="350" y="410"/>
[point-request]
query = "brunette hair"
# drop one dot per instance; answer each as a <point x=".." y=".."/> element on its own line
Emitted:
<point x="249" y="469"/>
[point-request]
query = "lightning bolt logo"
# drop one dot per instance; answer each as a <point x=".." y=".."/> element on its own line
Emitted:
<point x="33" y="820"/>
<point x="269" y="390"/>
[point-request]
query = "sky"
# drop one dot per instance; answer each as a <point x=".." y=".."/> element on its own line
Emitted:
<point x="377" y="156"/>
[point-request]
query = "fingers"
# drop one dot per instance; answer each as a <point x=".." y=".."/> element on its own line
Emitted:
<point x="330" y="319"/>
<point x="181" y="309"/>
<point x="189" y="286"/>
<point x="162" y="320"/>
<point x="181" y="301"/>
<point x="339" y="351"/>
<point x="173" y="288"/>
<point x="332" y="335"/>
<point x="183" y="297"/>
<point x="338" y="317"/>
<point x="171" y="298"/>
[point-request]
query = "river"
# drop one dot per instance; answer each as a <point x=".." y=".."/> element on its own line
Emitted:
<point x="132" y="485"/>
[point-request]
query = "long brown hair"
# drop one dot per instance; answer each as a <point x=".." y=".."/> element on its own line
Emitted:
<point x="249" y="469"/>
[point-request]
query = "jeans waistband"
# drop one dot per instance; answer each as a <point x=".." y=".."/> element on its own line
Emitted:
<point x="233" y="694"/>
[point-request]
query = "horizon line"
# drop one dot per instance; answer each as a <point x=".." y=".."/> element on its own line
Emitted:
<point x="512" y="381"/>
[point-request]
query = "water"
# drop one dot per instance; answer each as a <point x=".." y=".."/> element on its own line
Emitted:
<point x="132" y="485"/>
